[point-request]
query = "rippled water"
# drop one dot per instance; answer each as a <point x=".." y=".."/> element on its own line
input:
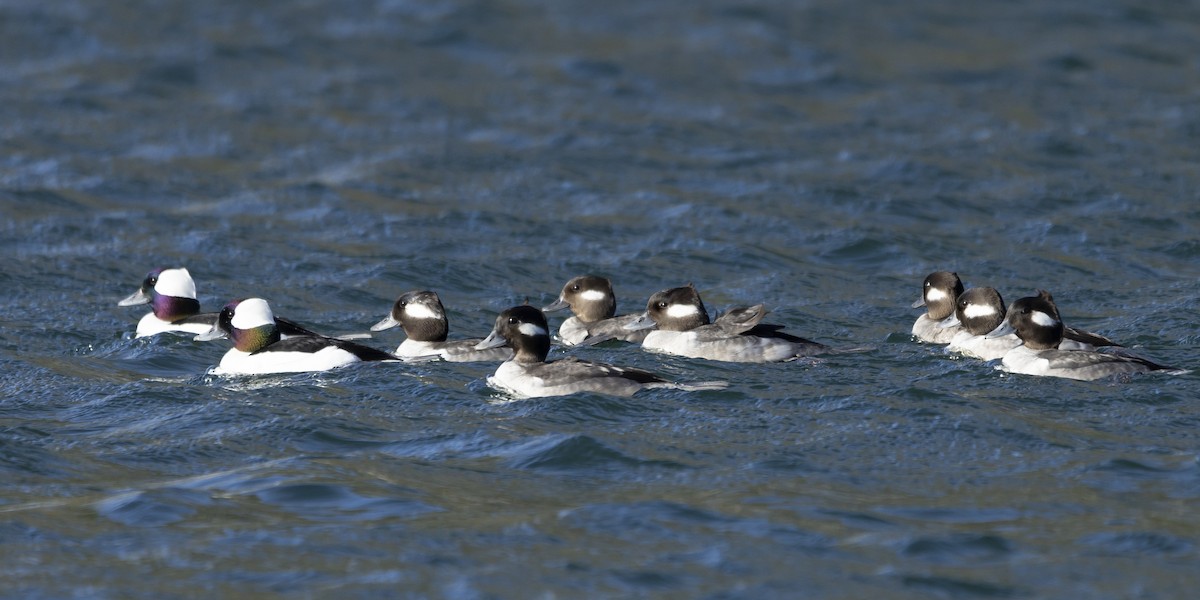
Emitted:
<point x="821" y="157"/>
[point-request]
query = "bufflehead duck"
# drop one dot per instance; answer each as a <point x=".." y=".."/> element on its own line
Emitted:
<point x="594" y="305"/>
<point x="423" y="318"/>
<point x="937" y="295"/>
<point x="174" y="307"/>
<point x="259" y="349"/>
<point x="979" y="311"/>
<point x="1036" y="322"/>
<point x="738" y="336"/>
<point x="527" y="374"/>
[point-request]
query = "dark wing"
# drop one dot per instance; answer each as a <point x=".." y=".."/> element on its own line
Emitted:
<point x="767" y="330"/>
<point x="315" y="343"/>
<point x="209" y="319"/>
<point x="365" y="353"/>
<point x="742" y="318"/>
<point x="1087" y="337"/>
<point x="573" y="367"/>
<point x="291" y="328"/>
<point x="464" y="351"/>
<point x="613" y="329"/>
<point x="1067" y="359"/>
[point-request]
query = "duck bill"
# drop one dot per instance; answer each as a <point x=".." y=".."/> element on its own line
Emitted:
<point x="215" y="333"/>
<point x="387" y="323"/>
<point x="948" y="322"/>
<point x="919" y="303"/>
<point x="134" y="299"/>
<point x="556" y="305"/>
<point x="493" y="340"/>
<point x="1004" y="329"/>
<point x="642" y="322"/>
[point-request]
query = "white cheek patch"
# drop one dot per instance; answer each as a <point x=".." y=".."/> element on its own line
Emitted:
<point x="682" y="311"/>
<point x="417" y="310"/>
<point x="974" y="311"/>
<point x="935" y="295"/>
<point x="251" y="313"/>
<point x="593" y="295"/>
<point x="1043" y="319"/>
<point x="177" y="283"/>
<point x="532" y="330"/>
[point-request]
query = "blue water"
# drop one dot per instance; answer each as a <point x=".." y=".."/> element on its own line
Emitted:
<point x="820" y="157"/>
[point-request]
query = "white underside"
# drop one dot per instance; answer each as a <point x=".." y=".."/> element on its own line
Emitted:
<point x="1027" y="362"/>
<point x="983" y="348"/>
<point x="152" y="325"/>
<point x="453" y="351"/>
<point x="732" y="349"/>
<point x="236" y="362"/>
<point x="415" y="349"/>
<point x="572" y="331"/>
<point x="927" y="330"/>
<point x="511" y="378"/>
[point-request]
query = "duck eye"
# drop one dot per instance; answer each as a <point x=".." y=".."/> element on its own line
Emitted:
<point x="662" y="304"/>
<point x="575" y="288"/>
<point x="153" y="281"/>
<point x="512" y="320"/>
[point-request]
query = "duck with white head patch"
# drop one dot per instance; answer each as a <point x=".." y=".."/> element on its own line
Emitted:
<point x="938" y="293"/>
<point x="258" y="348"/>
<point x="171" y="293"/>
<point x="423" y="318"/>
<point x="1036" y="322"/>
<point x="979" y="311"/>
<point x="594" y="308"/>
<point x="683" y="328"/>
<point x="528" y="374"/>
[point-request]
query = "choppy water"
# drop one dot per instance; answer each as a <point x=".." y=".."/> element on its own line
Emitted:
<point x="821" y="157"/>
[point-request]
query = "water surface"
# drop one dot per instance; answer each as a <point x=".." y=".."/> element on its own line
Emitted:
<point x="821" y="157"/>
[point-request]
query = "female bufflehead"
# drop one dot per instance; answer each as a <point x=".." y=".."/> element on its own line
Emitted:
<point x="979" y="311"/>
<point x="1036" y="322"/>
<point x="523" y="328"/>
<point x="259" y="349"/>
<point x="423" y="318"/>
<point x="172" y="297"/>
<point x="594" y="306"/>
<point x="938" y="293"/>
<point x="737" y="336"/>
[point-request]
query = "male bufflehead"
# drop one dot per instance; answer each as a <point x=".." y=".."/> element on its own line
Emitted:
<point x="979" y="311"/>
<point x="523" y="328"/>
<point x="594" y="306"/>
<point x="259" y="349"/>
<point x="423" y="318"/>
<point x="738" y="336"/>
<point x="174" y="307"/>
<point x="1036" y="322"/>
<point x="938" y="293"/>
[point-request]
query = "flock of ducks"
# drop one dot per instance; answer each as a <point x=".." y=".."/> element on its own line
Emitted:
<point x="1028" y="338"/>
